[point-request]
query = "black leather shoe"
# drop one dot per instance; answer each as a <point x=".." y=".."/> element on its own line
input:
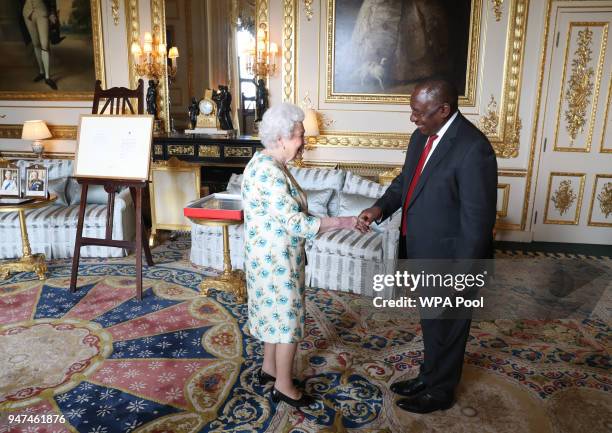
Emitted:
<point x="409" y="388"/>
<point x="264" y="377"/>
<point x="423" y="403"/>
<point x="38" y="77"/>
<point x="304" y="401"/>
<point x="51" y="83"/>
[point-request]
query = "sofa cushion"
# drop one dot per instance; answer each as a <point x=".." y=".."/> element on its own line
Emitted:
<point x="349" y="243"/>
<point x="95" y="193"/>
<point x="353" y="204"/>
<point x="58" y="187"/>
<point x="318" y="200"/>
<point x="317" y="178"/>
<point x="354" y="184"/>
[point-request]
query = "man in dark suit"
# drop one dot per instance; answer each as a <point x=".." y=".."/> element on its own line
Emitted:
<point x="448" y="192"/>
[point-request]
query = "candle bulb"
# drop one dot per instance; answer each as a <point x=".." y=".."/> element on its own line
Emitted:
<point x="136" y="51"/>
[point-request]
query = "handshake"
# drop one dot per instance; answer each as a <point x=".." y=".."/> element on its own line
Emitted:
<point x="361" y="223"/>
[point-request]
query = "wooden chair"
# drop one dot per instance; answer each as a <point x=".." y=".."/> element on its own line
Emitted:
<point x="118" y="100"/>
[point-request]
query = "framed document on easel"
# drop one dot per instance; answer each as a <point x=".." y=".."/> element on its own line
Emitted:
<point x="114" y="147"/>
<point x="113" y="151"/>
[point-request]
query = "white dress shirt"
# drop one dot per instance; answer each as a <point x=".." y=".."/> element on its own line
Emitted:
<point x="440" y="134"/>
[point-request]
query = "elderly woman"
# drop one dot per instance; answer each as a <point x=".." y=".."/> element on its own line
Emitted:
<point x="276" y="224"/>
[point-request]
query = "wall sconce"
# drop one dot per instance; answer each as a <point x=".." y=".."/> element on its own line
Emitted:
<point x="261" y="56"/>
<point x="150" y="61"/>
<point x="151" y="65"/>
<point x="36" y="130"/>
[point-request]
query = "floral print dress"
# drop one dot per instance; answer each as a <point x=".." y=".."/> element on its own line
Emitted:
<point x="276" y="225"/>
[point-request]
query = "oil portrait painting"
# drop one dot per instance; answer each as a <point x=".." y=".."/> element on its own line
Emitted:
<point x="383" y="47"/>
<point x="50" y="48"/>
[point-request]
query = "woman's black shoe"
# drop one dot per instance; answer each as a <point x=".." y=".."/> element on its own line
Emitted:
<point x="264" y="377"/>
<point x="304" y="401"/>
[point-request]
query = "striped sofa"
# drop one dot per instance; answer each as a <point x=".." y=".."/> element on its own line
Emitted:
<point x="52" y="229"/>
<point x="343" y="260"/>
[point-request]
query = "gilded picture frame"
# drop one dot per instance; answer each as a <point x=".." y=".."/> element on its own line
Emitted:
<point x="78" y="41"/>
<point x="360" y="53"/>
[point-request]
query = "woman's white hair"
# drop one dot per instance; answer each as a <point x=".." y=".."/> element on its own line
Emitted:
<point x="279" y="122"/>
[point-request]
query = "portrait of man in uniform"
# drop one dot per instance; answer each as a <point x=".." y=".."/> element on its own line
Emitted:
<point x="36" y="182"/>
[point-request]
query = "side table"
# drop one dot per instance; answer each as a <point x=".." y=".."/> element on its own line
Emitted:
<point x="229" y="281"/>
<point x="29" y="261"/>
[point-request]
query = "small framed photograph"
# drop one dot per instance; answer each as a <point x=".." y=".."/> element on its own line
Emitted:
<point x="10" y="182"/>
<point x="36" y="181"/>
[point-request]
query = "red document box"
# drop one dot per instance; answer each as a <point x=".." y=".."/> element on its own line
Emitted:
<point x="216" y="206"/>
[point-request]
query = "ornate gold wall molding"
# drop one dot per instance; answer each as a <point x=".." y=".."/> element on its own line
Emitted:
<point x="289" y="48"/>
<point x="132" y="22"/>
<point x="604" y="133"/>
<point x="158" y="26"/>
<point x="564" y="197"/>
<point x="490" y="122"/>
<point x="584" y="82"/>
<point x="605" y="199"/>
<point x="507" y="146"/>
<point x="580" y="85"/>
<point x="362" y="139"/>
<point x="262" y="19"/>
<point x="308" y="9"/>
<point x="603" y="196"/>
<point x="115" y="10"/>
<point x="59" y="132"/>
<point x="497" y="9"/>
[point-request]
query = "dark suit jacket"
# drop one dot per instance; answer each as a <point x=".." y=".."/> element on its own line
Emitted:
<point x="452" y="210"/>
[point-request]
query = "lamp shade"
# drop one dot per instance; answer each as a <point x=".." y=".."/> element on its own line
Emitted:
<point x="173" y="53"/>
<point x="35" y="130"/>
<point x="311" y="124"/>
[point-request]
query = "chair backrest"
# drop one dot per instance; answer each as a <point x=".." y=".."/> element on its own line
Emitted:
<point x="118" y="99"/>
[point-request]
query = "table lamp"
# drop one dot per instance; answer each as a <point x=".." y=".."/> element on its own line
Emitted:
<point x="36" y="130"/>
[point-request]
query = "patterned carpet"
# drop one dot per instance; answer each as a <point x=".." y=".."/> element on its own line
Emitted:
<point x="177" y="362"/>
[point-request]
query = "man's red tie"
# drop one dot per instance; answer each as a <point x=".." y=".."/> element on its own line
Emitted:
<point x="415" y="178"/>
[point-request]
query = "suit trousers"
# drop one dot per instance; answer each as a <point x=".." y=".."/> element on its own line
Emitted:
<point x="444" y="342"/>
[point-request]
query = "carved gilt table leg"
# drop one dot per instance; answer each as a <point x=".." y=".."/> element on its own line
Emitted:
<point x="229" y="281"/>
<point x="28" y="262"/>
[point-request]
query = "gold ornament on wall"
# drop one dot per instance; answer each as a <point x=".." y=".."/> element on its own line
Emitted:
<point x="308" y="9"/>
<point x="580" y="85"/>
<point x="115" y="9"/>
<point x="490" y="122"/>
<point x="564" y="196"/>
<point x="497" y="8"/>
<point x="605" y="199"/>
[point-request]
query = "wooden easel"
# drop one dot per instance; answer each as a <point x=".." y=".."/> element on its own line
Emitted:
<point x="121" y="96"/>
